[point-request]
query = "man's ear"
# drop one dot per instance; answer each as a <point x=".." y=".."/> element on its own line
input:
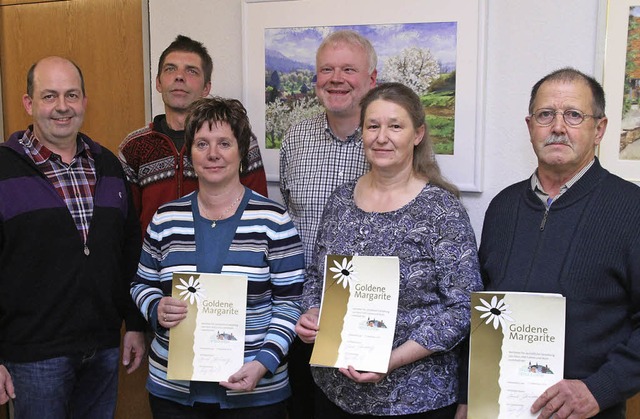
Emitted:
<point x="601" y="128"/>
<point x="27" y="102"/>
<point x="206" y="89"/>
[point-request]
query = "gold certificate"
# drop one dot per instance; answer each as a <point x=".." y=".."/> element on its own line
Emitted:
<point x="358" y="312"/>
<point x="209" y="344"/>
<point x="516" y="352"/>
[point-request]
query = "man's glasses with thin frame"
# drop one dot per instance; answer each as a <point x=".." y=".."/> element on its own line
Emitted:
<point x="572" y="117"/>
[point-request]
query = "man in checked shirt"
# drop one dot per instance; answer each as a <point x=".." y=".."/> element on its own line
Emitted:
<point x="316" y="156"/>
<point x="69" y="246"/>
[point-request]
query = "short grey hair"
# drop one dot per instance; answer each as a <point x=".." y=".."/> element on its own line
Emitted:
<point x="353" y="38"/>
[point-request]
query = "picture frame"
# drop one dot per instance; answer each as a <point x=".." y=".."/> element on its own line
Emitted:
<point x="464" y="166"/>
<point x="619" y="150"/>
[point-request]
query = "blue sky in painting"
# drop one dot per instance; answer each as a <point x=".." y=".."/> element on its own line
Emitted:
<point x="634" y="11"/>
<point x="300" y="44"/>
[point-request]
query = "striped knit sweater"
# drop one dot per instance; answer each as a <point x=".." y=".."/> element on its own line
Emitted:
<point x="266" y="247"/>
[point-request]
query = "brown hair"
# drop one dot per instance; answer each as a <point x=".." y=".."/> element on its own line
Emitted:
<point x="424" y="162"/>
<point x="185" y="44"/>
<point x="216" y="109"/>
<point x="32" y="69"/>
<point x="569" y="74"/>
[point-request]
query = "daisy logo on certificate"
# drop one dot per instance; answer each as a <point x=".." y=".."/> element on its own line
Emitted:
<point x="191" y="290"/>
<point x="345" y="272"/>
<point x="496" y="312"/>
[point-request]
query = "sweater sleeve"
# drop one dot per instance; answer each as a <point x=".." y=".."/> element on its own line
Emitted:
<point x="146" y="288"/>
<point x="252" y="174"/>
<point x="131" y="173"/>
<point x="619" y="377"/>
<point x="255" y="180"/>
<point x="133" y="319"/>
<point x="286" y="266"/>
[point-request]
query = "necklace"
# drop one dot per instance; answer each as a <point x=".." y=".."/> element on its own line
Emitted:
<point x="233" y="204"/>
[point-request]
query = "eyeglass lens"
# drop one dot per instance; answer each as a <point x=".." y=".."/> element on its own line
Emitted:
<point x="570" y="116"/>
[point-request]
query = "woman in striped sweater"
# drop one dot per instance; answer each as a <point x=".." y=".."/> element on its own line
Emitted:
<point x="226" y="228"/>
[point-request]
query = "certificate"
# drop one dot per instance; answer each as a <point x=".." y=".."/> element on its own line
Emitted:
<point x="209" y="344"/>
<point x="358" y="312"/>
<point x="516" y="352"/>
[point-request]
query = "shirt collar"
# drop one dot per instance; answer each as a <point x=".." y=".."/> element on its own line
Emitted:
<point x="536" y="186"/>
<point x="40" y="154"/>
<point x="356" y="137"/>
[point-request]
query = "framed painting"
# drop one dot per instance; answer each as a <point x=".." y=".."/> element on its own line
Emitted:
<point x="619" y="150"/>
<point x="445" y="41"/>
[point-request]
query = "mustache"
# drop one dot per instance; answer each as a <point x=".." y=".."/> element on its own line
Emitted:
<point x="557" y="139"/>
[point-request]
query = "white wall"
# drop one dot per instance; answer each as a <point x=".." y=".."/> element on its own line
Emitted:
<point x="525" y="40"/>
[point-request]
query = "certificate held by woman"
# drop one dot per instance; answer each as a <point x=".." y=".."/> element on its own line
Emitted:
<point x="208" y="345"/>
<point x="358" y="312"/>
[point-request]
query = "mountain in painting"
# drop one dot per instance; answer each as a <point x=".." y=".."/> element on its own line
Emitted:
<point x="275" y="60"/>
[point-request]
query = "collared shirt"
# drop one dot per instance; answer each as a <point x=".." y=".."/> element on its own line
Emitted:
<point x="75" y="182"/>
<point x="313" y="162"/>
<point x="536" y="186"/>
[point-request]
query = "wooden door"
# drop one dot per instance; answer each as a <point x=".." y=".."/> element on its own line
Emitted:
<point x="104" y="37"/>
<point x="633" y="407"/>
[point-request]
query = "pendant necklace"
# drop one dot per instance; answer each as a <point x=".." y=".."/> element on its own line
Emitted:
<point x="233" y="204"/>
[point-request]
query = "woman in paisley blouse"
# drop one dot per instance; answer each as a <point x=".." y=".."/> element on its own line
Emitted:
<point x="403" y="207"/>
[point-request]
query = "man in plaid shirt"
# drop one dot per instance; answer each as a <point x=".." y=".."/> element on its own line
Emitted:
<point x="69" y="247"/>
<point x="319" y="154"/>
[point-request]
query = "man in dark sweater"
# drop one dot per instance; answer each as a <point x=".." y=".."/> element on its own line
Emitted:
<point x="574" y="228"/>
<point x="69" y="247"/>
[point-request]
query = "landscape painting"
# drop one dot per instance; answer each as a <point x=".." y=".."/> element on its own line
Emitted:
<point x="630" y="124"/>
<point x="420" y="55"/>
<point x="619" y="150"/>
<point x="437" y="48"/>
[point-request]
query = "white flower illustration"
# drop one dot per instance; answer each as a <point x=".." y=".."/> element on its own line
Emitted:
<point x="345" y="272"/>
<point x="191" y="290"/>
<point x="497" y="311"/>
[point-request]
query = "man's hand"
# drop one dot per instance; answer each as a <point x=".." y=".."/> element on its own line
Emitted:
<point x="6" y="386"/>
<point x="566" y="399"/>
<point x="307" y="326"/>
<point x="133" y="345"/>
<point x="246" y="378"/>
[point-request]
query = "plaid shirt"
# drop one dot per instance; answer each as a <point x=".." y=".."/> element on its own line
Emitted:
<point x="313" y="162"/>
<point x="75" y="182"/>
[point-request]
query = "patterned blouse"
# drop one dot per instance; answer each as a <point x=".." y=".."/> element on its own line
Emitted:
<point x="433" y="238"/>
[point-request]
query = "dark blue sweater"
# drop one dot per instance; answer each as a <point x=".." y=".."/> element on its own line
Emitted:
<point x="55" y="299"/>
<point x="587" y="248"/>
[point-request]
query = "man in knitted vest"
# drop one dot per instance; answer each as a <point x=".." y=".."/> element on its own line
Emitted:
<point x="153" y="157"/>
<point x="573" y="228"/>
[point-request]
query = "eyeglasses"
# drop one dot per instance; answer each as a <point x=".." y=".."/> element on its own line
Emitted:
<point x="572" y="117"/>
